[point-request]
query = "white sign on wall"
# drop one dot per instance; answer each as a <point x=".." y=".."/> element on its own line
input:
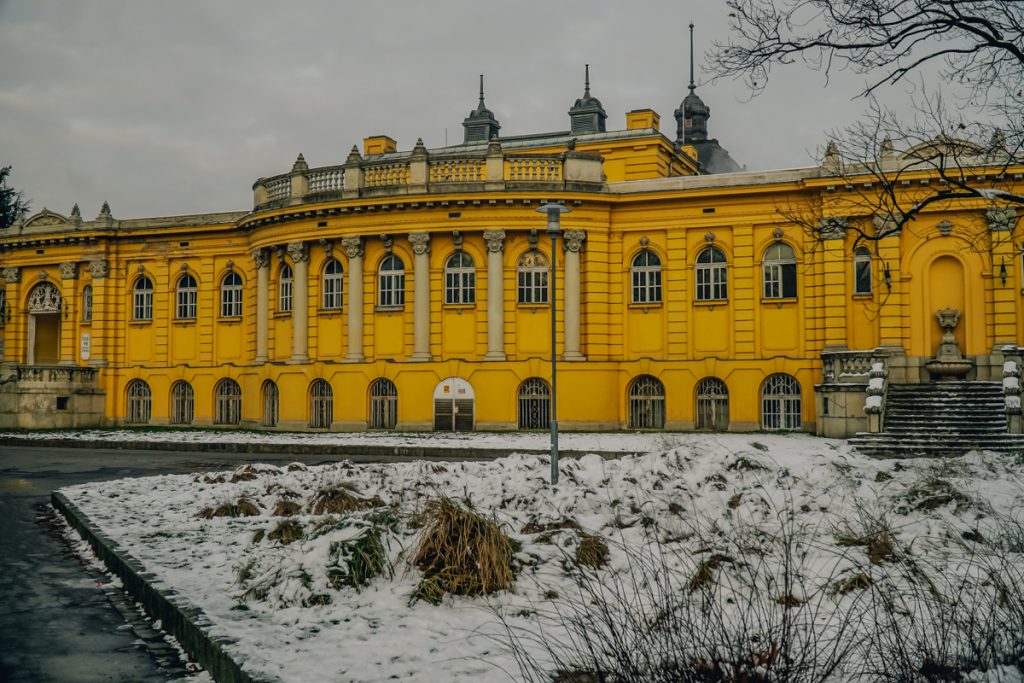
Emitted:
<point x="86" y="345"/>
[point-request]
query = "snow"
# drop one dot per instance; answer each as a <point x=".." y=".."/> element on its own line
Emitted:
<point x="991" y="193"/>
<point x="1010" y="367"/>
<point x="878" y="367"/>
<point x="697" y="489"/>
<point x="876" y="384"/>
<point x="1012" y="402"/>
<point x="873" y="402"/>
<point x="1011" y="383"/>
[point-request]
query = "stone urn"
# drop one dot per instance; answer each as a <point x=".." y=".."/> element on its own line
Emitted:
<point x="949" y="364"/>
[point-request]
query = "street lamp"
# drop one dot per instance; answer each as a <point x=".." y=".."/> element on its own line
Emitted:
<point x="554" y="213"/>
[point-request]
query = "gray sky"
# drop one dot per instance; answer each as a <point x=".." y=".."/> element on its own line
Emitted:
<point x="177" y="107"/>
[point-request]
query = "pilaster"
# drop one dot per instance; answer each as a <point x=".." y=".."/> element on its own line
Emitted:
<point x="421" y="296"/>
<point x="300" y="302"/>
<point x="354" y="251"/>
<point x="573" y="241"/>
<point x="261" y="259"/>
<point x="495" y="240"/>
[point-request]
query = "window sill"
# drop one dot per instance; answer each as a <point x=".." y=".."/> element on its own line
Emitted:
<point x="85" y="323"/>
<point x="140" y="323"/>
<point x="459" y="308"/>
<point x="184" y="322"/>
<point x="283" y="314"/>
<point x="864" y="296"/>
<point x="230" y="320"/>
<point x="533" y="307"/>
<point x="328" y="311"/>
<point x="710" y="303"/>
<point x="780" y="301"/>
<point x="389" y="309"/>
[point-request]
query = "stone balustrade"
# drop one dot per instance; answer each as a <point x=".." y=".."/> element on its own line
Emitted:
<point x="849" y="366"/>
<point x="55" y="374"/>
<point x="419" y="172"/>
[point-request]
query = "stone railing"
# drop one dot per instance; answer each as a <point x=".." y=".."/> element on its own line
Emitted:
<point x="874" y="405"/>
<point x="1012" y="362"/>
<point x="419" y="172"/>
<point x="55" y="374"/>
<point x="843" y="367"/>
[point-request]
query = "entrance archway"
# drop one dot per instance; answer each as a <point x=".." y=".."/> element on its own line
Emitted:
<point x="453" y="406"/>
<point x="946" y="290"/>
<point x="44" y="304"/>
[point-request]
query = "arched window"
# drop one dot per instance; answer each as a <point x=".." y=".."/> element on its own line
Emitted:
<point x="712" y="275"/>
<point x="284" y="290"/>
<point x="712" y="405"/>
<point x="87" y="304"/>
<point x="383" y="404"/>
<point x="646" y="403"/>
<point x="321" y="404"/>
<point x="779" y="270"/>
<point x="532" y="273"/>
<point x="185" y="297"/>
<point x="182" y="403"/>
<point x="391" y="283"/>
<point x="332" y="280"/>
<point x="271" y="404"/>
<point x="780" y="402"/>
<point x="231" y="296"/>
<point x="646" y="275"/>
<point x="459" y="279"/>
<point x="142" y="299"/>
<point x="140" y="402"/>
<point x="228" y="400"/>
<point x="534" y="404"/>
<point x="862" y="271"/>
<point x="3" y="307"/>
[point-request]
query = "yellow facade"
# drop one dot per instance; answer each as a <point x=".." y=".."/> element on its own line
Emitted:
<point x="632" y="193"/>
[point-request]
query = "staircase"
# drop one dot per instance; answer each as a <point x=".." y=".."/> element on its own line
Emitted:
<point x="944" y="419"/>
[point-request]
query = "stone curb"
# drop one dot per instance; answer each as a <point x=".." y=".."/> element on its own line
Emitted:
<point x="187" y="623"/>
<point x="331" y="450"/>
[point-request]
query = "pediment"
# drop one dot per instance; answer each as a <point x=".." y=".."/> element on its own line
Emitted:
<point x="45" y="220"/>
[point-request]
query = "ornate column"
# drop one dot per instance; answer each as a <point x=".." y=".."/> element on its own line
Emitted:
<point x="12" y="280"/>
<point x="69" y="314"/>
<point x="495" y="240"/>
<point x="354" y="251"/>
<point x="421" y="296"/>
<point x="573" y="240"/>
<point x="261" y="259"/>
<point x="300" y="302"/>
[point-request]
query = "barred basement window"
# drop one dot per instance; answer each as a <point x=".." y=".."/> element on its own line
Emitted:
<point x="646" y="275"/>
<point x="228" y="399"/>
<point x="391" y="283"/>
<point x="646" y="403"/>
<point x="284" y="290"/>
<point x="533" y="278"/>
<point x="182" y="403"/>
<point x="780" y="403"/>
<point x="332" y="281"/>
<point x="534" y="404"/>
<point x="142" y="299"/>
<point x="862" y="271"/>
<point x="231" y="296"/>
<point x="86" y="304"/>
<point x="383" y="404"/>
<point x="321" y="404"/>
<point x="270" y="404"/>
<point x="779" y="270"/>
<point x="712" y="275"/>
<point x="185" y="298"/>
<point x="140" y="402"/>
<point x="712" y="405"/>
<point x="459" y="279"/>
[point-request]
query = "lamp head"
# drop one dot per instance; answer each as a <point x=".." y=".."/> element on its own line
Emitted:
<point x="554" y="212"/>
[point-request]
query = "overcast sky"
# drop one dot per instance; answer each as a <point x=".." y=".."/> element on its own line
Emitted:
<point x="177" y="107"/>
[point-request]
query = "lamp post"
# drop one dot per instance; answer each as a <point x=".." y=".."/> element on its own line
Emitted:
<point x="554" y="213"/>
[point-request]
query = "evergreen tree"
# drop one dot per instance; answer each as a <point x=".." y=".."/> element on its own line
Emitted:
<point x="13" y="204"/>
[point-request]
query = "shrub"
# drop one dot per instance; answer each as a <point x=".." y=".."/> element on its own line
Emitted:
<point x="592" y="551"/>
<point x="341" y="499"/>
<point x="288" y="531"/>
<point x="356" y="561"/>
<point x="243" y="507"/>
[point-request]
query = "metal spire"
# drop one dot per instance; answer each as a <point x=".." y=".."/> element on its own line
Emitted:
<point x="692" y="86"/>
<point x="586" y="88"/>
<point x="481" y="105"/>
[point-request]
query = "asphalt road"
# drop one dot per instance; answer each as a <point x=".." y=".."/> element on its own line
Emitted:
<point x="59" y="623"/>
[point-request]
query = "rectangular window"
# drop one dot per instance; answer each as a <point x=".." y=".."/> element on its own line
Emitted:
<point x="392" y="289"/>
<point x="231" y="302"/>
<point x="647" y="286"/>
<point x="712" y="283"/>
<point x="862" y="276"/>
<point x="780" y="281"/>
<point x="284" y="301"/>
<point x="142" y="307"/>
<point x="459" y="287"/>
<point x="533" y="286"/>
<point x="186" y="305"/>
<point x="86" y="304"/>
<point x="332" y="293"/>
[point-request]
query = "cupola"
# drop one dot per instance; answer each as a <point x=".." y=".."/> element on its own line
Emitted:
<point x="692" y="115"/>
<point x="480" y="125"/>
<point x="587" y="115"/>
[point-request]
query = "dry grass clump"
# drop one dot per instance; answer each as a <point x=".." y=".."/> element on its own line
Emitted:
<point x="461" y="553"/>
<point x="355" y="562"/>
<point x="341" y="499"/>
<point x="534" y="526"/>
<point x="286" y="508"/>
<point x="704" y="576"/>
<point x="243" y="507"/>
<point x="592" y="551"/>
<point x="288" y="531"/>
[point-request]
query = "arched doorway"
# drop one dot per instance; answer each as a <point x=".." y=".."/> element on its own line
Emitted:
<point x="453" y="406"/>
<point x="43" y="306"/>
<point x="946" y="290"/>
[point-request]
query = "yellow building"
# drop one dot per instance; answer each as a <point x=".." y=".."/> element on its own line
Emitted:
<point x="410" y="290"/>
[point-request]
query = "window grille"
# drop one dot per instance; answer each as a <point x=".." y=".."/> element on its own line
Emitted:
<point x="646" y="275"/>
<point x="332" y="280"/>
<point x="534" y="404"/>
<point x="391" y="282"/>
<point x="459" y="279"/>
<point x="284" y="290"/>
<point x="712" y="405"/>
<point x="712" y="275"/>
<point x="646" y="403"/>
<point x="182" y="403"/>
<point x="86" y="304"/>
<point x="383" y="404"/>
<point x="532" y="274"/>
<point x="228" y="399"/>
<point x="231" y="296"/>
<point x="779" y="268"/>
<point x="186" y="297"/>
<point x="270" y="404"/>
<point x="862" y="271"/>
<point x="780" y="403"/>
<point x="140" y="402"/>
<point x="321" y="404"/>
<point x="142" y="299"/>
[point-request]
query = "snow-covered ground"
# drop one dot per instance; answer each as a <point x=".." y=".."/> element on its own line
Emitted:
<point x="701" y="496"/>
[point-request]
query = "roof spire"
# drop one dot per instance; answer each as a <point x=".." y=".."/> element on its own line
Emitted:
<point x="692" y="86"/>
<point x="481" y="107"/>
<point x="586" y="87"/>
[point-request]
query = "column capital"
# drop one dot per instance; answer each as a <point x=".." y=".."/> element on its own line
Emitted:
<point x="833" y="227"/>
<point x="495" y="240"/>
<point x="69" y="270"/>
<point x="1001" y="218"/>
<point x="353" y="247"/>
<point x="298" y="251"/>
<point x="573" y="240"/>
<point x="12" y="275"/>
<point x="420" y="243"/>
<point x="261" y="258"/>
